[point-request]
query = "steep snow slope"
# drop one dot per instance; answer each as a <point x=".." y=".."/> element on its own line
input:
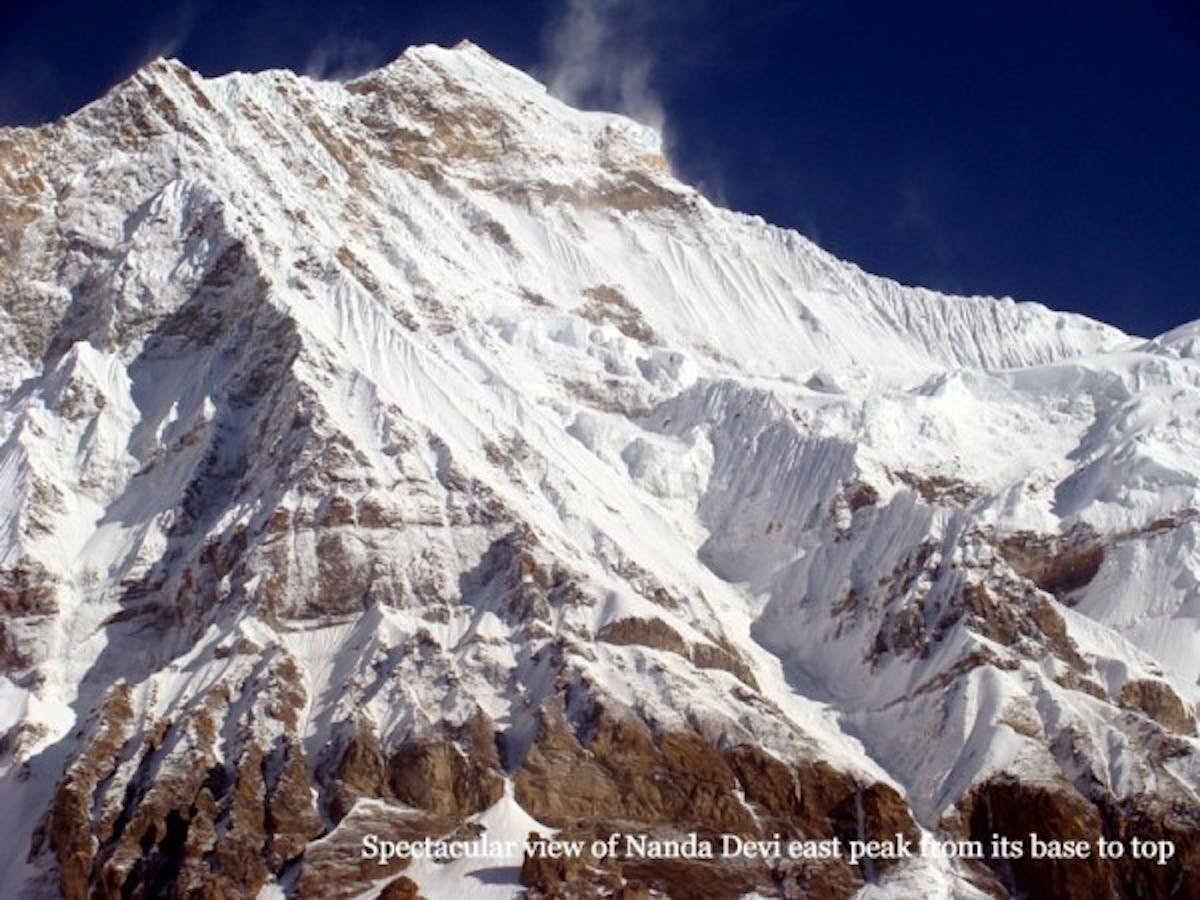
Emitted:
<point x="417" y="452"/>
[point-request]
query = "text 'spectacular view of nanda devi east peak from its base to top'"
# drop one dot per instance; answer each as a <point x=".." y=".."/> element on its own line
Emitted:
<point x="410" y="487"/>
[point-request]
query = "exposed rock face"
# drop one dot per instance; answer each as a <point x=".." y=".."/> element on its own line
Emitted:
<point x="401" y="888"/>
<point x="440" y="778"/>
<point x="68" y="827"/>
<point x="1056" y="565"/>
<point x="335" y="867"/>
<point x="624" y="773"/>
<point x="27" y="589"/>
<point x="1017" y="810"/>
<point x="675" y="783"/>
<point x="631" y="880"/>
<point x="357" y="772"/>
<point x="174" y="818"/>
<point x="657" y="634"/>
<point x="415" y="457"/>
<point x="1159" y="702"/>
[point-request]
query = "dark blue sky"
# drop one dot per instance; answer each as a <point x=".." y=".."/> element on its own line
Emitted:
<point x="1046" y="150"/>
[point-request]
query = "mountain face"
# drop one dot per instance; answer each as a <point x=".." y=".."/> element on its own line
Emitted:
<point x="416" y="456"/>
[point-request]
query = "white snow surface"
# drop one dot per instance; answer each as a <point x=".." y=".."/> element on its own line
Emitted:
<point x="283" y="290"/>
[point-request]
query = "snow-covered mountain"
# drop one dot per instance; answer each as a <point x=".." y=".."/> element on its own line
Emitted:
<point x="416" y="455"/>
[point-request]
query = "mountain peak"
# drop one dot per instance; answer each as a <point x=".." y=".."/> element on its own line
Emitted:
<point x="416" y="454"/>
<point x="433" y="106"/>
<point x="467" y="83"/>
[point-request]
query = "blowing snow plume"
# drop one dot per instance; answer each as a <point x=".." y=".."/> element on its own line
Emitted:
<point x="595" y="57"/>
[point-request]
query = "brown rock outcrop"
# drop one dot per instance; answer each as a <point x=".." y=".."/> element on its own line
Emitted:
<point x="1058" y="564"/>
<point x="435" y="775"/>
<point x="656" y="634"/>
<point x="168" y="811"/>
<point x="612" y="769"/>
<point x="1159" y="702"/>
<point x="635" y="630"/>
<point x="939" y="489"/>
<point x="291" y="820"/>
<point x="624" y="773"/>
<point x="1017" y="809"/>
<point x="606" y="303"/>
<point x="68" y="827"/>
<point x="27" y="589"/>
<point x="402" y="888"/>
<point x="335" y="867"/>
<point x="357" y="770"/>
